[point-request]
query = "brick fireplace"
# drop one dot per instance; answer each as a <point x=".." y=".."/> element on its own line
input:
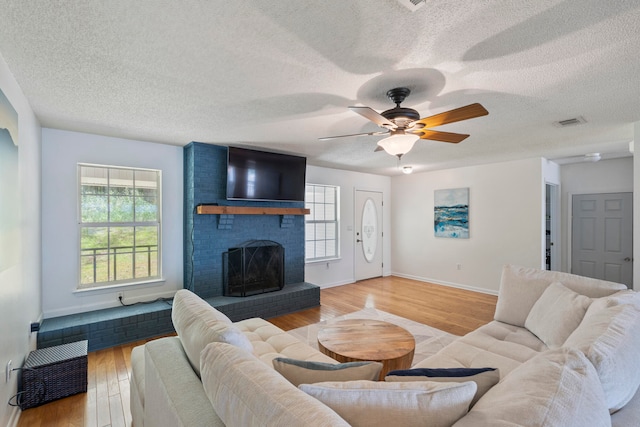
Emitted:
<point x="208" y="237"/>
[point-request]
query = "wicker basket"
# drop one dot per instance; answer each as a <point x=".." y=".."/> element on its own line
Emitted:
<point x="52" y="373"/>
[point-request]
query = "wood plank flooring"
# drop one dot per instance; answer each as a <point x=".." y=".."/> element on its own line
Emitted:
<point x="106" y="402"/>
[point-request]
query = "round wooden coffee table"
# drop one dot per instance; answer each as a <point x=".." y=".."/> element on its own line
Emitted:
<point x="354" y="340"/>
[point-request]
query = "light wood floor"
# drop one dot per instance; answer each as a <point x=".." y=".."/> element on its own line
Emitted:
<point x="106" y="402"/>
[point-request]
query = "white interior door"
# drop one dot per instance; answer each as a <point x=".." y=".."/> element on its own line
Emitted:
<point x="602" y="237"/>
<point x="368" y="234"/>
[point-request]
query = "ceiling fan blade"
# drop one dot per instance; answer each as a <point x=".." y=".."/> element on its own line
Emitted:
<point x="441" y="136"/>
<point x="383" y="132"/>
<point x="374" y="116"/>
<point x="463" y="113"/>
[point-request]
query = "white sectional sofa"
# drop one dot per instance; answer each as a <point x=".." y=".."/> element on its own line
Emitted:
<point x="566" y="351"/>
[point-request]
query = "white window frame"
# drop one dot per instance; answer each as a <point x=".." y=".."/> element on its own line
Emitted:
<point x="80" y="287"/>
<point x="318" y="219"/>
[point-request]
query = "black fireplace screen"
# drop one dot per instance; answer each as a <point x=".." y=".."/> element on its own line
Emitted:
<point x="253" y="268"/>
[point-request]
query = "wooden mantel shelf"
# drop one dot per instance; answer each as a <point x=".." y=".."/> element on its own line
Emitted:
<point x="248" y="210"/>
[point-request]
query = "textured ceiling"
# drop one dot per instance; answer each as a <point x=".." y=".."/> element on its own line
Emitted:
<point x="280" y="74"/>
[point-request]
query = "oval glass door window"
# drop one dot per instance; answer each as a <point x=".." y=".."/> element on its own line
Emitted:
<point x="369" y="230"/>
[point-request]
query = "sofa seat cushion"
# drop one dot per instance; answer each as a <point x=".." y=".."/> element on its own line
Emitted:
<point x="245" y="392"/>
<point x="495" y="345"/>
<point x="556" y="388"/>
<point x="521" y="287"/>
<point x="198" y="324"/>
<point x="269" y="342"/>
<point x="609" y="335"/>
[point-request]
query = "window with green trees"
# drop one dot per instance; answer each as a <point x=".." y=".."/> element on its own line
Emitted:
<point x="321" y="225"/>
<point x="119" y="225"/>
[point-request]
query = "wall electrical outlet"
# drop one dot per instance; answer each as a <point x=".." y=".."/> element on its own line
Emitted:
<point x="8" y="371"/>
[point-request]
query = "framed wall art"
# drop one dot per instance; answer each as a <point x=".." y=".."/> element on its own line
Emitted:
<point x="451" y="213"/>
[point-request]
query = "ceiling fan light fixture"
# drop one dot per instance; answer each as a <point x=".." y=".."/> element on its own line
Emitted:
<point x="398" y="144"/>
<point x="407" y="170"/>
<point x="592" y="157"/>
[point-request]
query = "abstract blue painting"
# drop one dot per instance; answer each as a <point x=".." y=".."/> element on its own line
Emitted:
<point x="451" y="213"/>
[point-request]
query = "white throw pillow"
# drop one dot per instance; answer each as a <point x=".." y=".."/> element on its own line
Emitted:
<point x="485" y="378"/>
<point x="610" y="337"/>
<point x="397" y="404"/>
<point x="198" y="324"/>
<point x="556" y="388"/>
<point x="520" y="288"/>
<point x="309" y="372"/>
<point x="556" y="314"/>
<point x="246" y="392"/>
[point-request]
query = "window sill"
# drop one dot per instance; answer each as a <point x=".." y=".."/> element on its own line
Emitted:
<point x="119" y="286"/>
<point x="320" y="261"/>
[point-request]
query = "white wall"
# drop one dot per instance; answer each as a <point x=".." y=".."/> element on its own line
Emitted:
<point x="506" y="203"/>
<point x="20" y="294"/>
<point x="636" y="210"/>
<point x="61" y="152"/>
<point x="342" y="271"/>
<point x="605" y="176"/>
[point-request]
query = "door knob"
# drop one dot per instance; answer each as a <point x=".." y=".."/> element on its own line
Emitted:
<point x="358" y="240"/>
<point x="627" y="259"/>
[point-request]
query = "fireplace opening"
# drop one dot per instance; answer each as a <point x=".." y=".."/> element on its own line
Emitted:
<point x="255" y="267"/>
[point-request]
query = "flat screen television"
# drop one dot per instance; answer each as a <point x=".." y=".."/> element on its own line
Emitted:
<point x="259" y="175"/>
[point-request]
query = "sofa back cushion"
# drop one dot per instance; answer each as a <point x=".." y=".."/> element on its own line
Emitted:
<point x="198" y="324"/>
<point x="609" y="335"/>
<point x="406" y="404"/>
<point x="520" y="288"/>
<point x="270" y="342"/>
<point x="556" y="314"/>
<point x="556" y="388"/>
<point x="246" y="392"/>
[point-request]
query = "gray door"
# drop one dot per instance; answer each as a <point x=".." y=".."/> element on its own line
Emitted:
<point x="368" y="261"/>
<point x="602" y="236"/>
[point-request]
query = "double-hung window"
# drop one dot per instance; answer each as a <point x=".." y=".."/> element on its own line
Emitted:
<point x="321" y="225"/>
<point x="119" y="225"/>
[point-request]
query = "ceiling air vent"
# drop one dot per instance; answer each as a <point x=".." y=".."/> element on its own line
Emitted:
<point x="412" y="5"/>
<point x="570" y="122"/>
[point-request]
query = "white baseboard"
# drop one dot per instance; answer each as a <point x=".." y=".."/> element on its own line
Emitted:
<point x="15" y="416"/>
<point x="449" y="284"/>
<point x="334" y="284"/>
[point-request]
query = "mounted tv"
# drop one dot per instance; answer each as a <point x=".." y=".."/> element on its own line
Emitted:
<point x="259" y="175"/>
